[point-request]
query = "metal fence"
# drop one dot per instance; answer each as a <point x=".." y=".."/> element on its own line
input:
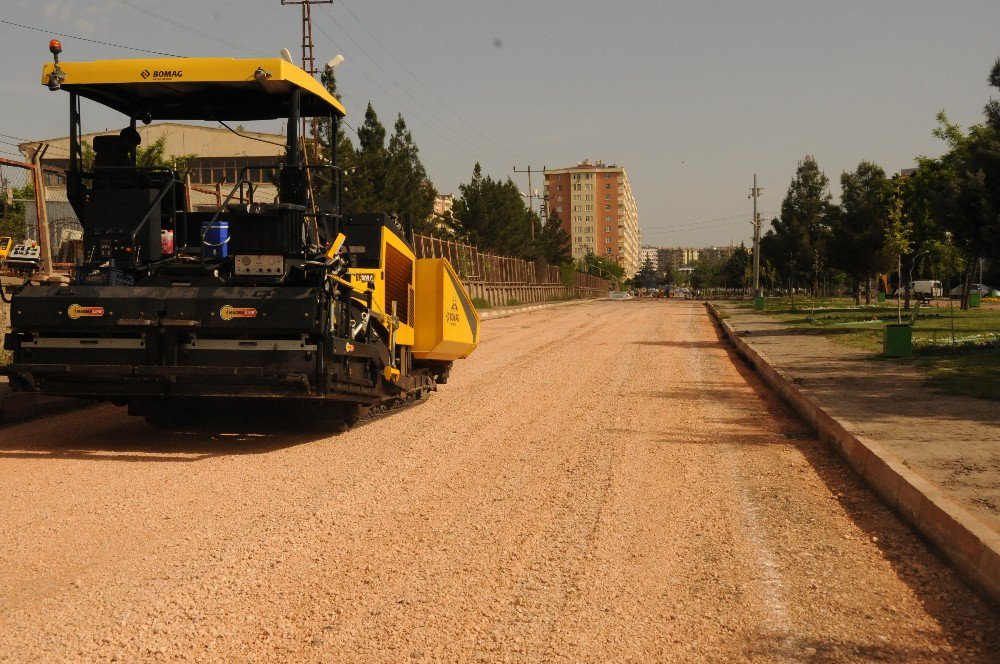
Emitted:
<point x="19" y="211"/>
<point x="503" y="280"/>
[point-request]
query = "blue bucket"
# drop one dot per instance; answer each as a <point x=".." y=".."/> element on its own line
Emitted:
<point x="215" y="242"/>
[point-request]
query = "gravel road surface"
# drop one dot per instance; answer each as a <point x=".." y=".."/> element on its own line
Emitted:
<point x="598" y="483"/>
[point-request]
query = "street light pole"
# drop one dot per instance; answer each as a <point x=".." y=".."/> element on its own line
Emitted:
<point x="755" y="193"/>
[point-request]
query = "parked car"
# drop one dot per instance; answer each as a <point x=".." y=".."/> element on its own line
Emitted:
<point x="620" y="295"/>
<point x="982" y="289"/>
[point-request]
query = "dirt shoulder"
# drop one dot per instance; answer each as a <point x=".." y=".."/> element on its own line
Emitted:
<point x="952" y="441"/>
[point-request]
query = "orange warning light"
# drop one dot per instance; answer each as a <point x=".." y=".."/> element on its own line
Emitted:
<point x="55" y="46"/>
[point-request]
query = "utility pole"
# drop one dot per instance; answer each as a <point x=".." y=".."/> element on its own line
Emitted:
<point x="308" y="59"/>
<point x="755" y="193"/>
<point x="531" y="193"/>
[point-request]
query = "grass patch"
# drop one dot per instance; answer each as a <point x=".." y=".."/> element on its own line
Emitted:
<point x="480" y="303"/>
<point x="969" y="372"/>
<point x="861" y="326"/>
<point x="967" y="366"/>
<point x="514" y="302"/>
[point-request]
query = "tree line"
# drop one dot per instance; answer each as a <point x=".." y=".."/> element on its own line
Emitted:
<point x="941" y="219"/>
<point x="383" y="172"/>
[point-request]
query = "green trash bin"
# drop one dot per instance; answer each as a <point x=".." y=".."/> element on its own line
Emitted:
<point x="880" y="296"/>
<point x="758" y="303"/>
<point x="897" y="340"/>
<point x="975" y="299"/>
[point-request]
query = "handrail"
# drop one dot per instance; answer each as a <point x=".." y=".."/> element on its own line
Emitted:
<point x="159" y="199"/>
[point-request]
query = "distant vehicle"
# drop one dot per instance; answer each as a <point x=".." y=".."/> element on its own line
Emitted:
<point x="923" y="290"/>
<point x="982" y="289"/>
<point x="619" y="295"/>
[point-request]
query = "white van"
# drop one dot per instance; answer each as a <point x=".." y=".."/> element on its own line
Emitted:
<point x="925" y="290"/>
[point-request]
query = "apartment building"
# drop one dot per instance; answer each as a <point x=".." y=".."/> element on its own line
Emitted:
<point x="598" y="211"/>
<point x="674" y="258"/>
<point x="651" y="254"/>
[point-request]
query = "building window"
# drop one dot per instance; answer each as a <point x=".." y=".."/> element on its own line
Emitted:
<point x="558" y="187"/>
<point x="608" y="251"/>
<point x="210" y="170"/>
<point x="607" y="240"/>
<point x="607" y="208"/>
<point x="607" y="229"/>
<point x="607" y="186"/>
<point x="607" y="217"/>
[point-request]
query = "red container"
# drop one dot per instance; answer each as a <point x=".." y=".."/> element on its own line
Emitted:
<point x="167" y="241"/>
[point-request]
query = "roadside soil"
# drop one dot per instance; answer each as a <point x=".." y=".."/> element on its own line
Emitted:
<point x="598" y="483"/>
<point x="952" y="441"/>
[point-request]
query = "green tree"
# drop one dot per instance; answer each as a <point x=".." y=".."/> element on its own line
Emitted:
<point x="967" y="196"/>
<point x="492" y="215"/>
<point x="387" y="178"/>
<point x="154" y="155"/>
<point x="897" y="243"/>
<point x="992" y="109"/>
<point x="733" y="273"/>
<point x="369" y="168"/>
<point x="327" y="140"/>
<point x="599" y="266"/>
<point x="646" y="277"/>
<point x="803" y="229"/>
<point x="858" y="227"/>
<point x="409" y="188"/>
<point x="553" y="241"/>
<point x="12" y="211"/>
<point x="706" y="274"/>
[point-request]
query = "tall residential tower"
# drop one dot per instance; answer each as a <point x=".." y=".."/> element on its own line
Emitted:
<point x="598" y="211"/>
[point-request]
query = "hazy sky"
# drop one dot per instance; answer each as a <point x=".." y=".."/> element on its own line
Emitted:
<point x="691" y="97"/>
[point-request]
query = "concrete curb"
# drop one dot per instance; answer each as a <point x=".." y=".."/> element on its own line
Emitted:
<point x="20" y="406"/>
<point x="972" y="547"/>
<point x="503" y="312"/>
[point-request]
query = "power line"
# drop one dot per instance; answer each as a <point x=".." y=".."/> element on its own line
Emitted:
<point x="699" y="223"/>
<point x="477" y="150"/>
<point x="87" y="39"/>
<point x="25" y="140"/>
<point x="426" y="88"/>
<point x="393" y="97"/>
<point x="196" y="31"/>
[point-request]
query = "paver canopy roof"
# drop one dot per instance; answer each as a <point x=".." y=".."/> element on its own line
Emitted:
<point x="197" y="88"/>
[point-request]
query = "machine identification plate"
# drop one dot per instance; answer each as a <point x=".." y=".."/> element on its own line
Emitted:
<point x="229" y="312"/>
<point x="75" y="311"/>
<point x="260" y="265"/>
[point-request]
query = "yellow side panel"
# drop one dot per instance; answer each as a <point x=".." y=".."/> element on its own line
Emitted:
<point x="447" y="325"/>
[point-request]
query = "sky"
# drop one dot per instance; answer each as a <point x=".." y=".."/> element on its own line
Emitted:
<point x="692" y="98"/>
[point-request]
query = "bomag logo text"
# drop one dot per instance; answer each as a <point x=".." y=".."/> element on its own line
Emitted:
<point x="160" y="74"/>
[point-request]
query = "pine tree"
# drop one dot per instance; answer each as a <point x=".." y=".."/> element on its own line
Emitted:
<point x="345" y="149"/>
<point x="553" y="241"/>
<point x="858" y="228"/>
<point x="492" y="215"/>
<point x="802" y="232"/>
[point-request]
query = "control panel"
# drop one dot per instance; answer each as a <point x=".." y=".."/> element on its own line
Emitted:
<point x="25" y="256"/>
<point x="260" y="265"/>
